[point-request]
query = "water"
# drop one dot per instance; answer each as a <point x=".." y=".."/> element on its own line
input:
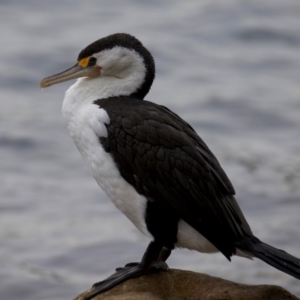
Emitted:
<point x="229" y="68"/>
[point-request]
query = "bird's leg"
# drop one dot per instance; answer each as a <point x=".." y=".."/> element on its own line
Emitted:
<point x="159" y="264"/>
<point x="146" y="266"/>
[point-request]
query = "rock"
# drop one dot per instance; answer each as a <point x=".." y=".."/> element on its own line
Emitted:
<point x="187" y="285"/>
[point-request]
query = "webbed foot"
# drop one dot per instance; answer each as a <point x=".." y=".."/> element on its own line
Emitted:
<point x="153" y="261"/>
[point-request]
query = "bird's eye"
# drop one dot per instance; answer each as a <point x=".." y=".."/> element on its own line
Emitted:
<point x="92" y="61"/>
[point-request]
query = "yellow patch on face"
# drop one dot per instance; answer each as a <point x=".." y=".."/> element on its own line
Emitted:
<point x="84" y="62"/>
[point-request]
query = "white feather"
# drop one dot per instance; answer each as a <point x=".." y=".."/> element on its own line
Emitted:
<point x="191" y="239"/>
<point x="86" y="125"/>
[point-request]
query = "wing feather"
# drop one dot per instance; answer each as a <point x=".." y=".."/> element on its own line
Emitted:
<point x="164" y="159"/>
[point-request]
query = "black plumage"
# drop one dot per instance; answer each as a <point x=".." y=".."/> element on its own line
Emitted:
<point x="164" y="159"/>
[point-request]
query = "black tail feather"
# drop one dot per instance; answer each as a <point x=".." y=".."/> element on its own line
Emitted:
<point x="277" y="258"/>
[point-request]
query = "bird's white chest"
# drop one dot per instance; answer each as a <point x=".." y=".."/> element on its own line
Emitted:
<point x="86" y="122"/>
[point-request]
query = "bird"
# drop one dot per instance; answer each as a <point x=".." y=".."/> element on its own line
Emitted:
<point x="152" y="164"/>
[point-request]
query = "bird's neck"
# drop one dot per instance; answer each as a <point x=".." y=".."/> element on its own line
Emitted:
<point x="87" y="90"/>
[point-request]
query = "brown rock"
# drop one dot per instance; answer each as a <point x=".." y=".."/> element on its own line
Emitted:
<point x="187" y="285"/>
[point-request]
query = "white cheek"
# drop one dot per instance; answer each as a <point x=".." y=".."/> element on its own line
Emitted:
<point x="121" y="62"/>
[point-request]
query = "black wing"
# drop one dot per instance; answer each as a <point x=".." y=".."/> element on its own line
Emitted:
<point x="164" y="159"/>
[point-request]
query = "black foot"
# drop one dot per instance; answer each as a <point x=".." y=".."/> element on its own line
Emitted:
<point x="152" y="261"/>
<point x="133" y="264"/>
<point x="121" y="275"/>
<point x="160" y="265"/>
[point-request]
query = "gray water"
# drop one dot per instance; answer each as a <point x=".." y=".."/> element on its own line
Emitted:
<point x="230" y="68"/>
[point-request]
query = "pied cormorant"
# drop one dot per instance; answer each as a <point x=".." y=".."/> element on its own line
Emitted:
<point x="151" y="163"/>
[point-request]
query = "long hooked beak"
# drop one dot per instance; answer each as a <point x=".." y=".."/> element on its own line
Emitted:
<point x="74" y="72"/>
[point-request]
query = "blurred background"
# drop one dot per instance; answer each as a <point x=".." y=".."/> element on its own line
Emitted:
<point x="230" y="68"/>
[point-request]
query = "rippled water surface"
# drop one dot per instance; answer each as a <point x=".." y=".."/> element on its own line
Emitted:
<point x="230" y="68"/>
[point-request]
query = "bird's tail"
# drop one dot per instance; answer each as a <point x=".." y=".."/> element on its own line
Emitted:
<point x="277" y="258"/>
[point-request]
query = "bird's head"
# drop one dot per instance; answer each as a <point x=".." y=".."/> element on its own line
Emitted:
<point x="120" y="56"/>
